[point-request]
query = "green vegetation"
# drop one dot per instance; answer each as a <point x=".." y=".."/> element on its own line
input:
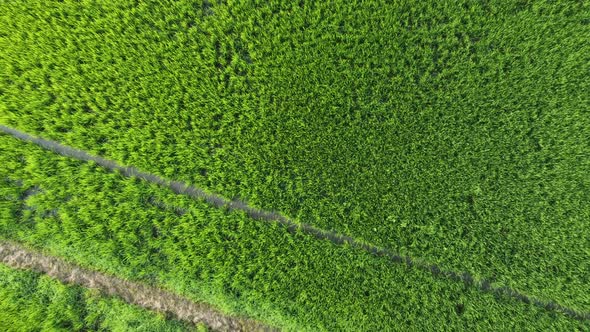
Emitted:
<point x="457" y="133"/>
<point x="103" y="221"/>
<point x="31" y="302"/>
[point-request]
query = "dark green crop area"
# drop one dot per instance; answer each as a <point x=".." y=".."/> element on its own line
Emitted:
<point x="455" y="133"/>
<point x="31" y="302"/>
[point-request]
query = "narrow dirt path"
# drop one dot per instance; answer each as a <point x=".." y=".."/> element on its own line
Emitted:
<point x="19" y="257"/>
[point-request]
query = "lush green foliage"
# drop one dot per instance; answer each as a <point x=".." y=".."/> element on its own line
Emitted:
<point x="458" y="133"/>
<point x="30" y="302"/>
<point x="104" y="221"/>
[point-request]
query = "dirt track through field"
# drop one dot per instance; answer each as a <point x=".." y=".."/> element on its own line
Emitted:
<point x="139" y="294"/>
<point x="292" y="226"/>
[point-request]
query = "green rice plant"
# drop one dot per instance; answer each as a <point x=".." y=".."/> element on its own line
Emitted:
<point x="454" y="132"/>
<point x="133" y="229"/>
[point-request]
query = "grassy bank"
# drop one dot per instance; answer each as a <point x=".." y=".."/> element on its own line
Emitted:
<point x="32" y="302"/>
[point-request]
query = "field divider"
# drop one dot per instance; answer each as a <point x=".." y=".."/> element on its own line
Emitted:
<point x="18" y="257"/>
<point x="292" y="226"/>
